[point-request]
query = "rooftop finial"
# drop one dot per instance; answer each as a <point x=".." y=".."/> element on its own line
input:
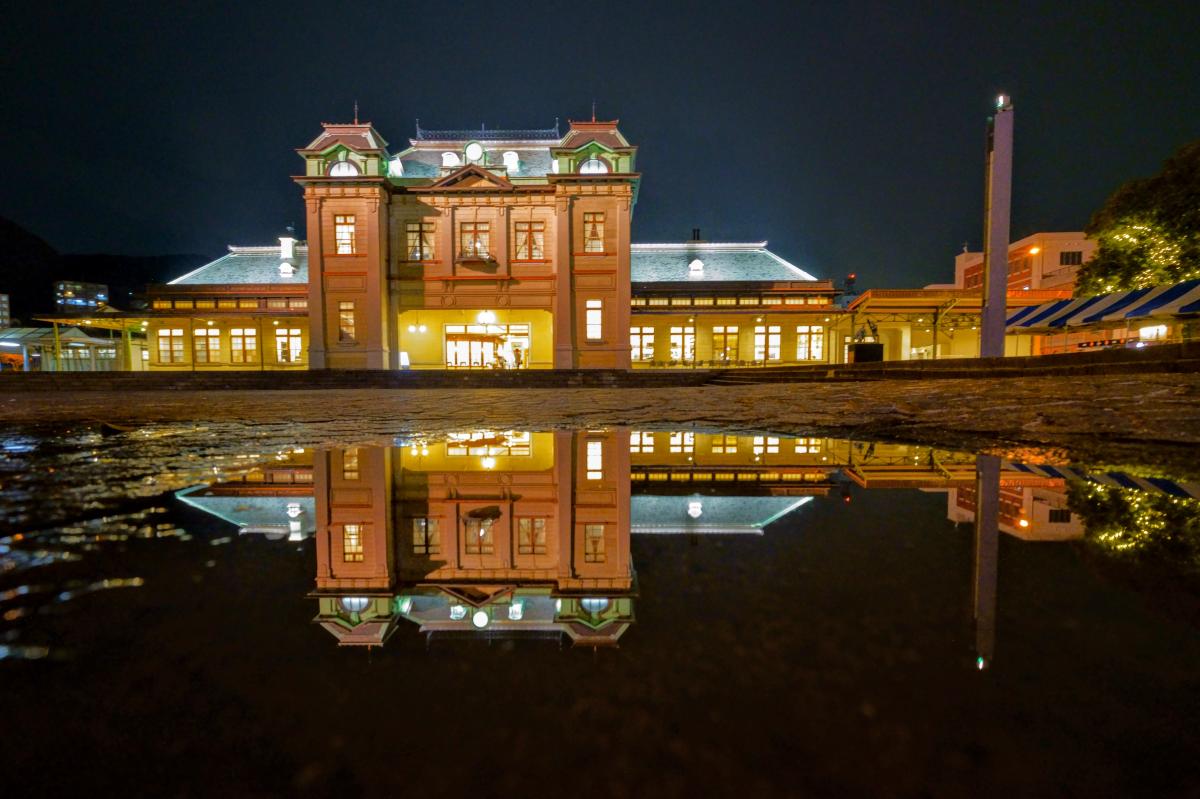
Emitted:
<point x="356" y="112"/>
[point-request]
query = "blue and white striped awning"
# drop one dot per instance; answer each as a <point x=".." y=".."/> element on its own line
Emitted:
<point x="1157" y="485"/>
<point x="1147" y="303"/>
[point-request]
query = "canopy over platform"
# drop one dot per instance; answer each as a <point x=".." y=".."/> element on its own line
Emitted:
<point x="1156" y="302"/>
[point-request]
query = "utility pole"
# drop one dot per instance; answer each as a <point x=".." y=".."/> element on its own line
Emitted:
<point x="997" y="210"/>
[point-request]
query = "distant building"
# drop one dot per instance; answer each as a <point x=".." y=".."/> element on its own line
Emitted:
<point x="72" y="296"/>
<point x="5" y="313"/>
<point x="1040" y="261"/>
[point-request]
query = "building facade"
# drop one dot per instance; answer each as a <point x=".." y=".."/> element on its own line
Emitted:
<point x="70" y="295"/>
<point x="1040" y="261"/>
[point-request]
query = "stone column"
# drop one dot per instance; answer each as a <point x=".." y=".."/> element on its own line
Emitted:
<point x="316" y="287"/>
<point x="564" y="293"/>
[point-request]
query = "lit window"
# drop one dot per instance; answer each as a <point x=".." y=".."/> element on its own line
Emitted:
<point x="479" y="538"/>
<point x="726" y="300"/>
<point x="512" y="161"/>
<point x="594" y="314"/>
<point x="683" y="344"/>
<point x="641" y="343"/>
<point x="343" y="234"/>
<point x="593" y="544"/>
<point x="766" y="343"/>
<point x="1152" y="333"/>
<point x="724" y="445"/>
<point x="657" y="301"/>
<point x="419" y="241"/>
<point x="451" y="159"/>
<point x="288" y="344"/>
<point x="810" y="343"/>
<point x="530" y="240"/>
<point x="243" y="344"/>
<point x="350" y="464"/>
<point x="343" y="169"/>
<point x="808" y="446"/>
<point x="352" y="543"/>
<point x="766" y="444"/>
<point x="725" y="343"/>
<point x="427" y="536"/>
<point x="593" y="166"/>
<point x="474" y="240"/>
<point x="170" y="345"/>
<point x="531" y="536"/>
<point x="641" y="442"/>
<point x="683" y="443"/>
<point x="595" y="460"/>
<point x="593" y="231"/>
<point x="206" y="343"/>
<point x="346" y="328"/>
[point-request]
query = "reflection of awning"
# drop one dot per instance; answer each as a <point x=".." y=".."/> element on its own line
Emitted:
<point x="1154" y="302"/>
<point x="1114" y="479"/>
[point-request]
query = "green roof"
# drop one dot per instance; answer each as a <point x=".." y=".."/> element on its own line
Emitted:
<point x="719" y="262"/>
<point x="704" y="514"/>
<point x="258" y="265"/>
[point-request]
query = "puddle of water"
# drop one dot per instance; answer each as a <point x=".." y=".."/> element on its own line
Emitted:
<point x="690" y="609"/>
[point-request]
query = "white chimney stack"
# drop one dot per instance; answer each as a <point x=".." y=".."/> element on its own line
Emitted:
<point x="287" y="248"/>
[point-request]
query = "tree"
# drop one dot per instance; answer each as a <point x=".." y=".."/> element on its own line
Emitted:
<point x="1148" y="231"/>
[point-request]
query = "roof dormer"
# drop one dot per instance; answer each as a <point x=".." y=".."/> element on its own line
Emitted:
<point x="346" y="152"/>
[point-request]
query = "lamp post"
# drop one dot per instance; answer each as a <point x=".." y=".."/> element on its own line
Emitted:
<point x="997" y="210"/>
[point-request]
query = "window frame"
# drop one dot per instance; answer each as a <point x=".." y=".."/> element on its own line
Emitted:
<point x="345" y="234"/>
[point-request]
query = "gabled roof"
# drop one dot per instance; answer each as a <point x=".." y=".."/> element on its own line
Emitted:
<point x="472" y="176"/>
<point x="361" y="138"/>
<point x="716" y="515"/>
<point x="722" y="262"/>
<point x="604" y="133"/>
<point x="257" y="265"/>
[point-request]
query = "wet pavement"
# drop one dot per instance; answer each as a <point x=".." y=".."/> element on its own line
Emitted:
<point x="190" y="609"/>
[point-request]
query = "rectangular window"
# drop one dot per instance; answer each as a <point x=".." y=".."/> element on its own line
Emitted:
<point x="683" y="443"/>
<point x="681" y="301"/>
<point x="226" y="303"/>
<point x="810" y="343"/>
<point x="529" y="238"/>
<point x="595" y="460"/>
<point x="1070" y="258"/>
<point x="159" y="305"/>
<point x="352" y="543"/>
<point x="593" y="231"/>
<point x="427" y="536"/>
<point x="170" y="345"/>
<point x="343" y="234"/>
<point x="243" y="345"/>
<point x="184" y="304"/>
<point x="641" y="442"/>
<point x="480" y="538"/>
<point x="474" y="240"/>
<point x="808" y="446"/>
<point x="206" y="344"/>
<point x="1060" y="515"/>
<point x="726" y="300"/>
<point x="531" y="536"/>
<point x="350" y="464"/>
<point x="278" y="303"/>
<point x="747" y="300"/>
<point x="766" y="444"/>
<point x="288" y="345"/>
<point x="725" y="343"/>
<point x="419" y="241"/>
<point x="206" y="304"/>
<point x="593" y="544"/>
<point x="594" y="319"/>
<point x="658" y="301"/>
<point x="766" y="343"/>
<point x="247" y="303"/>
<point x="724" y="445"/>
<point x="346" y="330"/>
<point x="641" y="343"/>
<point x="683" y="344"/>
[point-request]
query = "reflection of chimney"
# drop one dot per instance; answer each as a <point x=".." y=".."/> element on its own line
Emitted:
<point x="695" y="234"/>
<point x="287" y="248"/>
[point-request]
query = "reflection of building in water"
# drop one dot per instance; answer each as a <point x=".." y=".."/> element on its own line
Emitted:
<point x="503" y="533"/>
<point x="274" y="499"/>
<point x="1030" y="508"/>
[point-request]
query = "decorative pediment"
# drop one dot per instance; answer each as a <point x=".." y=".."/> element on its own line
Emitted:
<point x="472" y="177"/>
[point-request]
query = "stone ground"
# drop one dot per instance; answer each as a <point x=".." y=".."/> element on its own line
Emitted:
<point x="1150" y="419"/>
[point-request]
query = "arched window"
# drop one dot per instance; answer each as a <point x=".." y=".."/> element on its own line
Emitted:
<point x="451" y="159"/>
<point x="512" y="161"/>
<point x="343" y="169"/>
<point x="593" y="166"/>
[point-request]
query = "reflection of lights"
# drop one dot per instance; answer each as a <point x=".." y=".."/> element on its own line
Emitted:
<point x="980" y="663"/>
<point x="695" y="509"/>
<point x="457" y="612"/>
<point x="486" y="318"/>
<point x="1023" y="523"/>
<point x="558" y="606"/>
<point x="412" y="328"/>
<point x="516" y="611"/>
<point x="422" y="328"/>
<point x="480" y="619"/>
<point x="488" y="463"/>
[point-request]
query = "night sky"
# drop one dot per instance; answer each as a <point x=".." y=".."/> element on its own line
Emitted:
<point x="849" y="135"/>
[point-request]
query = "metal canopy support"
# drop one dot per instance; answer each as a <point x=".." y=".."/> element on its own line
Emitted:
<point x="996" y="219"/>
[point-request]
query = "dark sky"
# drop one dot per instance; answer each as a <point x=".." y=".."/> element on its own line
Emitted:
<point x="849" y="135"/>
